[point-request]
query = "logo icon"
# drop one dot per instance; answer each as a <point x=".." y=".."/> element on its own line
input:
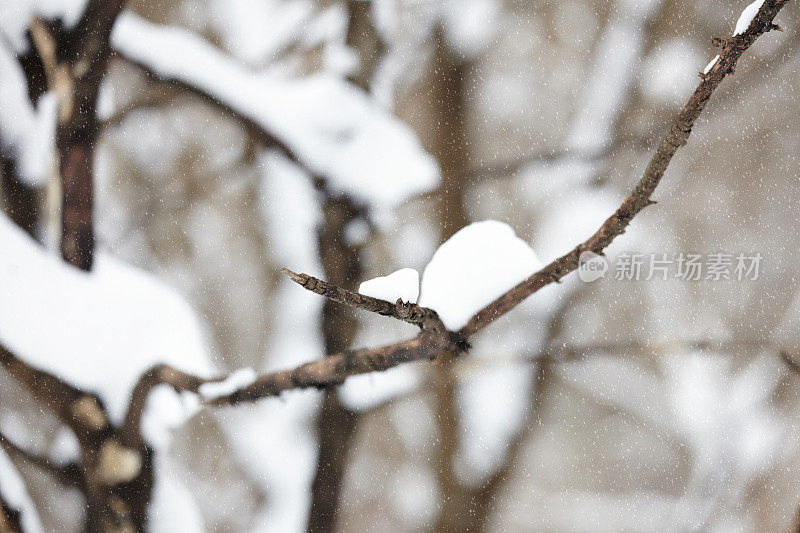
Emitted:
<point x="591" y="267"/>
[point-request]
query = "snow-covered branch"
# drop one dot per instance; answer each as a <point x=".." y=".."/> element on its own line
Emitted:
<point x="332" y="370"/>
<point x="329" y="127"/>
<point x="401" y="310"/>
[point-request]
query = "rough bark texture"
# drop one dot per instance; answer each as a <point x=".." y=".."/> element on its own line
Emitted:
<point x="407" y="312"/>
<point x="336" y="424"/>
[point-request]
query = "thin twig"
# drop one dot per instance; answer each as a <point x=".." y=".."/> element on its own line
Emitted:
<point x="407" y="312"/>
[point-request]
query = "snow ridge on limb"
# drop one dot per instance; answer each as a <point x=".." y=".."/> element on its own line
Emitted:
<point x="402" y="284"/>
<point x="327" y="126"/>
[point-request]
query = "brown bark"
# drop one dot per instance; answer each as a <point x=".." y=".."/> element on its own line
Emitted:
<point x="334" y="368"/>
<point x="77" y="66"/>
<point x="336" y="424"/>
<point x="364" y="39"/>
<point x="22" y="200"/>
<point x="448" y="95"/>
<point x="404" y="311"/>
<point x="9" y="519"/>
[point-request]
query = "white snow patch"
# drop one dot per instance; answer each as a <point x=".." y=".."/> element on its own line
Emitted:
<point x="400" y="285"/>
<point x="241" y="23"/>
<point x="16" y="15"/>
<point x="469" y="25"/>
<point x="14" y="493"/>
<point x="238" y="379"/>
<point x="493" y="403"/>
<point x="172" y="507"/>
<point x="65" y="447"/>
<point x="334" y="128"/>
<point x="99" y="331"/>
<point x="711" y="65"/>
<point x="364" y="392"/>
<point x="747" y="16"/>
<point x="475" y="266"/>
<point x="165" y="410"/>
<point x="27" y="132"/>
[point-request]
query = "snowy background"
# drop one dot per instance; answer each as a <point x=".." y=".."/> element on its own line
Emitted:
<point x="243" y="136"/>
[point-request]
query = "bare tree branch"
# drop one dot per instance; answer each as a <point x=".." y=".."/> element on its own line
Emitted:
<point x="448" y="87"/>
<point x="334" y="369"/>
<point x="336" y="424"/>
<point x="790" y="361"/>
<point x="326" y="372"/>
<point x="407" y="312"/>
<point x="616" y="224"/>
<point x="75" y="63"/>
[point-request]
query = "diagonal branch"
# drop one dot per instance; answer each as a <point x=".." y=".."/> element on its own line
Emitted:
<point x="791" y="362"/>
<point x="639" y="198"/>
<point x="80" y="411"/>
<point x="254" y="128"/>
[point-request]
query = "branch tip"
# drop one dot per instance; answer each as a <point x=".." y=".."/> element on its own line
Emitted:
<point x="294" y="276"/>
